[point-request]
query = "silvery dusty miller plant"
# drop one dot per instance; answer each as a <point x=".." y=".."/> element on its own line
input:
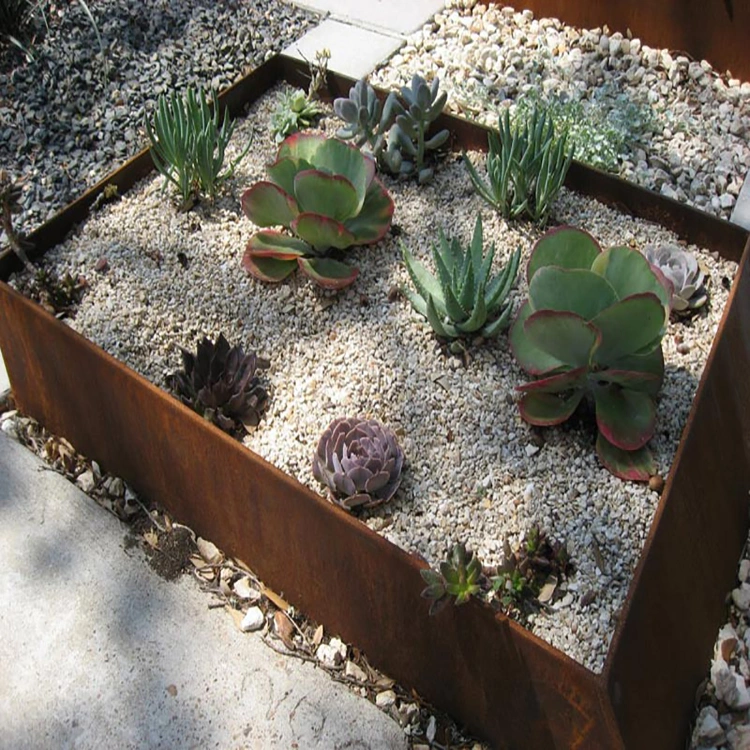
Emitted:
<point x="359" y="461"/>
<point x="464" y="299"/>
<point x="188" y="143"/>
<point x="526" y="167"/>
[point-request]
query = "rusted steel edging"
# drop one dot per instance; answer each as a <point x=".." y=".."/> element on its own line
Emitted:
<point x="503" y="682"/>
<point x="677" y="596"/>
<point x="469" y="661"/>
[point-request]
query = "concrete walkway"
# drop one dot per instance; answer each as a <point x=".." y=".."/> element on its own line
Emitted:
<point x="98" y="651"/>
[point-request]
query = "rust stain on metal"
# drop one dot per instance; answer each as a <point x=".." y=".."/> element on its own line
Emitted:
<point x="502" y="682"/>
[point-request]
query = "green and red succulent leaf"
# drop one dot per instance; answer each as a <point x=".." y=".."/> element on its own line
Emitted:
<point x="268" y="205"/>
<point x="626" y="418"/>
<point x="566" y="247"/>
<point x="548" y="409"/>
<point x="637" y="466"/>
<point x="328" y="273"/>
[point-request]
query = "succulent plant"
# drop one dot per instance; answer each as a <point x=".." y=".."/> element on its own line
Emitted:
<point x="359" y="461"/>
<point x="682" y="270"/>
<point x="460" y="576"/>
<point x="294" y="111"/>
<point x="367" y="120"/>
<point x="531" y="573"/>
<point x="592" y="327"/>
<point x="526" y="167"/>
<point x="220" y="382"/>
<point x="326" y="193"/>
<point x="188" y="143"/>
<point x="10" y="203"/>
<point x="407" y="141"/>
<point x="464" y="299"/>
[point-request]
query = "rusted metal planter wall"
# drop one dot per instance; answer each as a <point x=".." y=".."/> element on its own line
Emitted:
<point x="502" y="682"/>
<point x="714" y="30"/>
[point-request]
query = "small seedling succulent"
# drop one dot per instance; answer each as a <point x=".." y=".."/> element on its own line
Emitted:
<point x="460" y="576"/>
<point x="220" y="382"/>
<point x="526" y="167"/>
<point x="188" y="143"/>
<point x="592" y="327"/>
<point x="407" y="141"/>
<point x="294" y="111"/>
<point x="359" y="461"/>
<point x="532" y="573"/>
<point x="367" y="120"/>
<point x="325" y="192"/>
<point x="464" y="299"/>
<point x="681" y="268"/>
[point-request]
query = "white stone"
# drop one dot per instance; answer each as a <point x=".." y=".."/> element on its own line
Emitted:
<point x="744" y="572"/>
<point x="245" y="590"/>
<point x="708" y="732"/>
<point x="741" y="596"/>
<point x="385" y="699"/>
<point x="738" y="737"/>
<point x="328" y="655"/>
<point x="531" y="449"/>
<point x="86" y="481"/>
<point x="354" y="671"/>
<point x="254" y="619"/>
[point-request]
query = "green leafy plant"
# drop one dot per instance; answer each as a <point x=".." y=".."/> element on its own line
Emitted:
<point x="531" y="574"/>
<point x="526" y="167"/>
<point x="464" y="298"/>
<point x="294" y="112"/>
<point x="459" y="577"/>
<point x="592" y="328"/>
<point x="188" y="143"/>
<point x="359" y="461"/>
<point x="221" y="383"/>
<point x="682" y="270"/>
<point x="407" y="142"/>
<point x="367" y="119"/>
<point x="326" y="193"/>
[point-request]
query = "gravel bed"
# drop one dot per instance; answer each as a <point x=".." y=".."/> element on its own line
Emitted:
<point x="676" y="125"/>
<point x="74" y="113"/>
<point x="476" y="472"/>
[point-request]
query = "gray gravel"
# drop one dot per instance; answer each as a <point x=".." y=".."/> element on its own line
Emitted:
<point x="74" y="112"/>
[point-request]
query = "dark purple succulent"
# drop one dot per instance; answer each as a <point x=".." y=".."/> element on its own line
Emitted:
<point x="359" y="461"/>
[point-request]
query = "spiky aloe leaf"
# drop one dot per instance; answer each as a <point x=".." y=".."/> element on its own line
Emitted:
<point x="637" y="466"/>
<point x="565" y="336"/>
<point x="498" y="289"/>
<point x="529" y="356"/>
<point x="438" y="324"/>
<point x="626" y="418"/>
<point x="322" y="232"/>
<point x="330" y="195"/>
<point x="267" y="205"/>
<point x="329" y="274"/>
<point x="628" y="326"/>
<point x="566" y="247"/>
<point x="425" y="283"/>
<point x="549" y="409"/>
<point x="572" y="290"/>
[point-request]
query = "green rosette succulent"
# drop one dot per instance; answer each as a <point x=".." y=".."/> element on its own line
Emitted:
<point x="326" y="194"/>
<point x="592" y="328"/>
<point x="460" y="577"/>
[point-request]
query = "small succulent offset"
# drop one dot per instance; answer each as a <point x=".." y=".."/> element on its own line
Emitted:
<point x="220" y="382"/>
<point x="325" y="192"/>
<point x="295" y="111"/>
<point x="464" y="299"/>
<point x="367" y="119"/>
<point x="359" y="461"/>
<point x="681" y="268"/>
<point x="531" y="574"/>
<point x="460" y="576"/>
<point x="526" y="167"/>
<point x="188" y="143"/>
<point x="407" y="143"/>
<point x="592" y="328"/>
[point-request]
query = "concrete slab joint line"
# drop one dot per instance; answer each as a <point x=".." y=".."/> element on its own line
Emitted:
<point x="144" y="662"/>
<point x="387" y="16"/>
<point x="355" y="52"/>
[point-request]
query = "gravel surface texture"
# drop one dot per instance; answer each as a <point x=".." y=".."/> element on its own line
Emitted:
<point x="659" y="119"/>
<point x="476" y="472"/>
<point x="75" y="111"/>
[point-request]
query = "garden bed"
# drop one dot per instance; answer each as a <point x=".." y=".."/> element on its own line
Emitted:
<point x="547" y="694"/>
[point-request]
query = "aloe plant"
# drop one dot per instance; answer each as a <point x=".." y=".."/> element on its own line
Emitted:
<point x="592" y="328"/>
<point x="460" y="577"/>
<point x="526" y="167"/>
<point x="464" y="299"/>
<point x="325" y="192"/>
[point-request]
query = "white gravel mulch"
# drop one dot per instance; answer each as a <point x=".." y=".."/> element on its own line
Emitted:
<point x="476" y="472"/>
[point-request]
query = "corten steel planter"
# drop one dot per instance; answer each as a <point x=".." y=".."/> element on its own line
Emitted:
<point x="714" y="30"/>
<point x="504" y="683"/>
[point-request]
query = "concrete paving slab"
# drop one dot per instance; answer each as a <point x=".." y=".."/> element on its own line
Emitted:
<point x="393" y="16"/>
<point x="355" y="52"/>
<point x="741" y="210"/>
<point x="97" y="651"/>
